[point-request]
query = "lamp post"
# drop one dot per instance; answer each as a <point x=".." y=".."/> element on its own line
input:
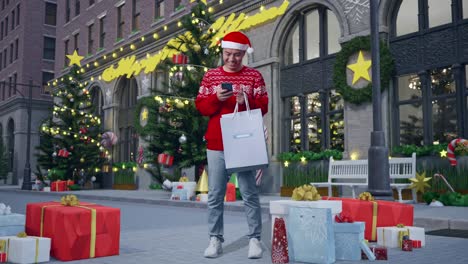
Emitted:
<point x="27" y="185"/>
<point x="379" y="176"/>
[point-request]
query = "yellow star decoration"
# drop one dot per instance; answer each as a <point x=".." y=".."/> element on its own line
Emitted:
<point x="420" y="182"/>
<point x="203" y="1"/>
<point x="443" y="153"/>
<point x="360" y="68"/>
<point x="75" y="59"/>
<point x="144" y="114"/>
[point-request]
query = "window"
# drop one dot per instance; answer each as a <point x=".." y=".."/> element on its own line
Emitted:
<point x="77" y="7"/>
<point x="158" y="9"/>
<point x="90" y="39"/>
<point x="6" y="26"/>
<point x="46" y="77"/>
<point x="10" y="86"/>
<point x="120" y="22"/>
<point x="12" y="52"/>
<point x="16" y="48"/>
<point x="15" y="79"/>
<point x="91" y="2"/>
<point x="51" y="14"/>
<point x="159" y="81"/>
<point x="314" y="115"/>
<point x="97" y="99"/>
<point x="67" y="10"/>
<point x="128" y="143"/>
<point x="440" y="12"/>
<point x="135" y="16"/>
<point x="1" y="31"/>
<point x="65" y="47"/>
<point x="102" y="32"/>
<point x="13" y="19"/>
<point x="3" y="4"/>
<point x="2" y="92"/>
<point x="18" y="14"/>
<point x="315" y="45"/>
<point x="10" y="140"/>
<point x="5" y="58"/>
<point x="75" y="42"/>
<point x="49" y="48"/>
<point x="1" y="64"/>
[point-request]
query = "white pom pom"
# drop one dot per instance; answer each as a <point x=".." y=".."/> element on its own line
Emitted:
<point x="250" y="50"/>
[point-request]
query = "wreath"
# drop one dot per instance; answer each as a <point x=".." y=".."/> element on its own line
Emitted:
<point x="350" y="94"/>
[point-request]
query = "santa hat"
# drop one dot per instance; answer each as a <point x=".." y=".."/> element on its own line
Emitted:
<point x="236" y="40"/>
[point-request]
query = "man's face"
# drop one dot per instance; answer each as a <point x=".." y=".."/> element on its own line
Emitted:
<point x="232" y="59"/>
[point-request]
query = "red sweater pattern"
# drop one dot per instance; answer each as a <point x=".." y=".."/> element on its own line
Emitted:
<point x="247" y="79"/>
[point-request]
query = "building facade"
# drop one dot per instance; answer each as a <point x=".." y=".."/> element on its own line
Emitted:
<point x="27" y="56"/>
<point x="295" y="50"/>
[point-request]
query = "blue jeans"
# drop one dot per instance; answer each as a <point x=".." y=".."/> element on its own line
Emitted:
<point x="217" y="181"/>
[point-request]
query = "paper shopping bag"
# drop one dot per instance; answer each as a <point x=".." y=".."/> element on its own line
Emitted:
<point x="244" y="141"/>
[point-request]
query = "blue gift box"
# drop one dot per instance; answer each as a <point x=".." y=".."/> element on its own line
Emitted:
<point x="12" y="224"/>
<point x="348" y="237"/>
<point x="179" y="194"/>
<point x="310" y="235"/>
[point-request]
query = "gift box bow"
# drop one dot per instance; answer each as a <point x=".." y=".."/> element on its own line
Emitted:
<point x="343" y="218"/>
<point x="305" y="193"/>
<point x="366" y="196"/>
<point x="69" y="200"/>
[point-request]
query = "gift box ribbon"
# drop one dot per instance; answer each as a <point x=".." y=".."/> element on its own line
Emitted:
<point x="401" y="234"/>
<point x="72" y="200"/>
<point x="19" y="235"/>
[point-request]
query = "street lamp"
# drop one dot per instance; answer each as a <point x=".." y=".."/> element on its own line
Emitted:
<point x="379" y="176"/>
<point x="27" y="184"/>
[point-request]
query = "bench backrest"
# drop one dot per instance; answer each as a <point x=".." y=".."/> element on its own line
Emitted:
<point x="403" y="168"/>
<point x="399" y="168"/>
<point x="347" y="169"/>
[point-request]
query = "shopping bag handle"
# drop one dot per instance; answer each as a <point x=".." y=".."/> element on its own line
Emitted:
<point x="246" y="102"/>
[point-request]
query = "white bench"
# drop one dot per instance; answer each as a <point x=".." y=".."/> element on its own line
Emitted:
<point x="354" y="173"/>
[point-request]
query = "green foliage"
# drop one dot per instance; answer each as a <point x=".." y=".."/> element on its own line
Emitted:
<point x="298" y="174"/>
<point x="124" y="172"/>
<point x="359" y="96"/>
<point x="309" y="155"/>
<point x="72" y="112"/>
<point x="428" y="197"/>
<point x="3" y="160"/>
<point x="155" y="186"/>
<point x="428" y="150"/>
<point x="453" y="199"/>
<point x="173" y="115"/>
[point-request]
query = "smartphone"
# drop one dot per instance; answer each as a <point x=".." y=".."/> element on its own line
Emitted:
<point x="227" y="86"/>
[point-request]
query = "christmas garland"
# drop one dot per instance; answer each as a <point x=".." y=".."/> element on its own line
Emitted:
<point x="350" y="94"/>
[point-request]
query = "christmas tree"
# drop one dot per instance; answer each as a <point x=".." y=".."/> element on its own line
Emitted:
<point x="70" y="139"/>
<point x="175" y="127"/>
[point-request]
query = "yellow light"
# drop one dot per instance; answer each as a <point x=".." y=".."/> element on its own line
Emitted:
<point x="165" y="28"/>
<point x="435" y="143"/>
<point x="145" y="166"/>
<point x="186" y="102"/>
<point x="155" y="36"/>
<point x="220" y="2"/>
<point x="96" y="170"/>
<point x="354" y="155"/>
<point x="121" y="48"/>
<point x="443" y="153"/>
<point x="115" y="169"/>
<point x="70" y="78"/>
<point x="147" y="55"/>
<point x="210" y="9"/>
<point x="114" y="55"/>
<point x="87" y="65"/>
<point x="82" y="70"/>
<point x="262" y="8"/>
<point x="123" y="166"/>
<point x="303" y="159"/>
<point x="96" y="64"/>
<point x="92" y="78"/>
<point x="134" y="169"/>
<point x="142" y="38"/>
<point x="179" y="24"/>
<point x="132" y="47"/>
<point x="100" y="77"/>
<point x="104" y="57"/>
<point x="286" y="163"/>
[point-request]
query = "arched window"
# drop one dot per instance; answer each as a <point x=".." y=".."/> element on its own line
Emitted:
<point x="10" y="144"/>
<point x="97" y="99"/>
<point x="314" y="110"/>
<point x="128" y="138"/>
<point x="430" y="95"/>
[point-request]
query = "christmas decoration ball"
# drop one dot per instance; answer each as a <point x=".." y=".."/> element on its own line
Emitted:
<point x="54" y="154"/>
<point x="182" y="139"/>
<point x="180" y="105"/>
<point x="82" y="160"/>
<point x="93" y="179"/>
<point x="108" y="139"/>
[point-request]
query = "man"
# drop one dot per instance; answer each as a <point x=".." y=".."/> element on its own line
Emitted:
<point x="214" y="101"/>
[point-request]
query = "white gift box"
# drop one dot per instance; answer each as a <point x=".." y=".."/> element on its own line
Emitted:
<point x="189" y="186"/>
<point x="389" y="236"/>
<point x="25" y="250"/>
<point x="280" y="208"/>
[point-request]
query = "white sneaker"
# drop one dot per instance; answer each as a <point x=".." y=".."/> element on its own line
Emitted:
<point x="255" y="249"/>
<point x="214" y="248"/>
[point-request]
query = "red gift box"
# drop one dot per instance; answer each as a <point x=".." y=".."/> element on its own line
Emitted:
<point x="58" y="186"/>
<point x="180" y="58"/>
<point x="407" y="245"/>
<point x="376" y="214"/>
<point x="165" y="159"/>
<point x="77" y="232"/>
<point x="3" y="257"/>
<point x="230" y="192"/>
<point x="69" y="183"/>
<point x="416" y="243"/>
<point x="379" y="252"/>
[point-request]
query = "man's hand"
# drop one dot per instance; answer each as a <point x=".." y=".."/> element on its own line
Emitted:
<point x="223" y="94"/>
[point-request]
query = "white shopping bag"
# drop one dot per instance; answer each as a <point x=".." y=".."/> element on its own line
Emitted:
<point x="244" y="140"/>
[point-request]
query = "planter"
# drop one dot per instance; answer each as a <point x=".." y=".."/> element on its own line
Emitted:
<point x="323" y="191"/>
<point x="124" y="187"/>
<point x="406" y="194"/>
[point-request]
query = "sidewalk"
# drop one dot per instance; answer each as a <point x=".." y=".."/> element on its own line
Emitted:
<point x="431" y="218"/>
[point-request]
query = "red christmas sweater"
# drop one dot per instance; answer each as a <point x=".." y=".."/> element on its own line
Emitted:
<point x="247" y="79"/>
